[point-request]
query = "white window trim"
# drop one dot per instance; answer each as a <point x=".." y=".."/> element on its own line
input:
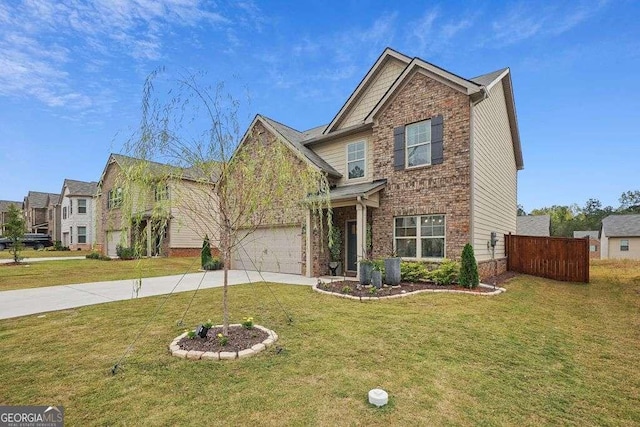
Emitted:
<point x="627" y="245"/>
<point x="346" y="157"/>
<point x="418" y="237"/>
<point x="86" y="234"/>
<point x="406" y="147"/>
<point x="86" y="207"/>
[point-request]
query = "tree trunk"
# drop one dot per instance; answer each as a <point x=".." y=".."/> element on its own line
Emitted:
<point x="226" y="254"/>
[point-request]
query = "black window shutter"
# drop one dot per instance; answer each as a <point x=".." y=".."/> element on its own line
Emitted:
<point x="398" y="148"/>
<point x="437" y="154"/>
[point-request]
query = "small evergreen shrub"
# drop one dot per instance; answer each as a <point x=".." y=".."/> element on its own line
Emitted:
<point x="94" y="255"/>
<point x="447" y="273"/>
<point x="205" y="254"/>
<point x="469" y="268"/>
<point x="213" y="264"/>
<point x="125" y="253"/>
<point x="413" y="271"/>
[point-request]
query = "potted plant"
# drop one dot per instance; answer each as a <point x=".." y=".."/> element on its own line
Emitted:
<point x="392" y="271"/>
<point x="366" y="268"/>
<point x="376" y="274"/>
<point x="335" y="250"/>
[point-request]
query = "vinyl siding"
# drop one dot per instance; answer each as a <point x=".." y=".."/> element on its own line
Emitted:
<point x="76" y="219"/>
<point x="192" y="210"/>
<point x="335" y="153"/>
<point x="614" y="251"/>
<point x="494" y="175"/>
<point x="373" y="93"/>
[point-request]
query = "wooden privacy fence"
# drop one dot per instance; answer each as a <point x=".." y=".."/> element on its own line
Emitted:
<point x="558" y="258"/>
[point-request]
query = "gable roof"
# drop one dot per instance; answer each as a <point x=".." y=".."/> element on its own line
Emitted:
<point x="80" y="188"/>
<point x="39" y="200"/>
<point x="592" y="234"/>
<point x="294" y="139"/>
<point x="4" y="205"/>
<point x="533" y="225"/>
<point x="621" y="225"/>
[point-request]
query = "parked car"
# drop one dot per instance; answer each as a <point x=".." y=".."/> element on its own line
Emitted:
<point x="30" y="240"/>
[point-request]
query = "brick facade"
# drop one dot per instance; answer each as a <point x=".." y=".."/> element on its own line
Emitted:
<point x="436" y="189"/>
<point x="491" y="268"/>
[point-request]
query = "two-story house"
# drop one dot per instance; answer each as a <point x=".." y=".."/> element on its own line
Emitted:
<point x="36" y="211"/>
<point x="421" y="160"/>
<point x="4" y="209"/>
<point x="77" y="222"/>
<point x="54" y="217"/>
<point x="159" y="209"/>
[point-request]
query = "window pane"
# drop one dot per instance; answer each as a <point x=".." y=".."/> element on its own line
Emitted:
<point x="418" y="133"/>
<point x="419" y="155"/>
<point x="406" y="227"/>
<point x="433" y="248"/>
<point x="406" y="248"/>
<point x="356" y="169"/>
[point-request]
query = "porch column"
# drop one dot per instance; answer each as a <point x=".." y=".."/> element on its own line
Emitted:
<point x="309" y="257"/>
<point x="149" y="237"/>
<point x="361" y="233"/>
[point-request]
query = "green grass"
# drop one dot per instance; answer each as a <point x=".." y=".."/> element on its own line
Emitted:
<point x="65" y="272"/>
<point x="543" y="353"/>
<point x="31" y="253"/>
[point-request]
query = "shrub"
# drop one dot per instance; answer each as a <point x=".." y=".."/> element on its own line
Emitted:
<point x="205" y="253"/>
<point x="447" y="273"/>
<point x="94" y="255"/>
<point x="413" y="272"/>
<point x="222" y="340"/>
<point x="208" y="324"/>
<point x="247" y="323"/>
<point x="126" y="253"/>
<point x="213" y="264"/>
<point x="469" y="268"/>
<point x="378" y="265"/>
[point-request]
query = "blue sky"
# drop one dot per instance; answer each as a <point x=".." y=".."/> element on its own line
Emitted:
<point x="71" y="76"/>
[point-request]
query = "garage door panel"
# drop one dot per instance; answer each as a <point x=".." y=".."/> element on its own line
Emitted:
<point x="270" y="249"/>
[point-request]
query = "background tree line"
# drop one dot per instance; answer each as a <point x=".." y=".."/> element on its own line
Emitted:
<point x="567" y="219"/>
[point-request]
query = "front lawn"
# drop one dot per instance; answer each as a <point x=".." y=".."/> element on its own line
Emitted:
<point x="32" y="253"/>
<point x="543" y="353"/>
<point x="66" y="272"/>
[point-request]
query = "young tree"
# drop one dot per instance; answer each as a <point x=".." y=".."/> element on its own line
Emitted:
<point x="238" y="182"/>
<point x="15" y="227"/>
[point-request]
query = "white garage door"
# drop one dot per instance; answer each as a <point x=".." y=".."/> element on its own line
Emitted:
<point x="277" y="250"/>
<point x="113" y="239"/>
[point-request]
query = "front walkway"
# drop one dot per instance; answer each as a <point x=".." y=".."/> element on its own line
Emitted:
<point x="23" y="302"/>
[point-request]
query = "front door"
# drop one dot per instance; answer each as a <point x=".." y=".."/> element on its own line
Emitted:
<point x="352" y="243"/>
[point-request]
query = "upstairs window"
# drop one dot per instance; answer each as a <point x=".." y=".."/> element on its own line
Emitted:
<point x="161" y="192"/>
<point x="624" y="245"/>
<point x="418" y="144"/>
<point x="64" y="212"/>
<point x="82" y="206"/>
<point x="356" y="160"/>
<point x="114" y="198"/>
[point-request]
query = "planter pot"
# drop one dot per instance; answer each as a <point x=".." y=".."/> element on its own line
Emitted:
<point x="365" y="273"/>
<point x="392" y="271"/>
<point x="201" y="331"/>
<point x="376" y="278"/>
<point x="335" y="268"/>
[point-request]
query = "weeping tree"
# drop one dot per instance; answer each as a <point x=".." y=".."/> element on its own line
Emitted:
<point x="225" y="183"/>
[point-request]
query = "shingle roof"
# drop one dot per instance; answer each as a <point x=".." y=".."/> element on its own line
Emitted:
<point x="156" y="167"/>
<point x="4" y="205"/>
<point x="487" y="79"/>
<point x="296" y="138"/>
<point x="593" y="234"/>
<point x="621" y="226"/>
<point x="39" y="200"/>
<point x="352" y="191"/>
<point x="533" y="225"/>
<point x="80" y="188"/>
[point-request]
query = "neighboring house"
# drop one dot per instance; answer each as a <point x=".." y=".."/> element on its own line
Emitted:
<point x="169" y="217"/>
<point x="533" y="225"/>
<point x="594" y="241"/>
<point x="620" y="237"/>
<point x="53" y="216"/>
<point x="4" y="208"/>
<point x="422" y="162"/>
<point x="36" y="211"/>
<point x="77" y="223"/>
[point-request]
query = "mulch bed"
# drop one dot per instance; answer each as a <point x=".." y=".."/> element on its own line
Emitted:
<point x="356" y="290"/>
<point x="239" y="339"/>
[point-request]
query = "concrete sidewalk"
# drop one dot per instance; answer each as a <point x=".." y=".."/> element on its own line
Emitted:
<point x="24" y="302"/>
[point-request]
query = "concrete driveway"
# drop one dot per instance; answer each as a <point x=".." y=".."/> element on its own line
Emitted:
<point x="24" y="302"/>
